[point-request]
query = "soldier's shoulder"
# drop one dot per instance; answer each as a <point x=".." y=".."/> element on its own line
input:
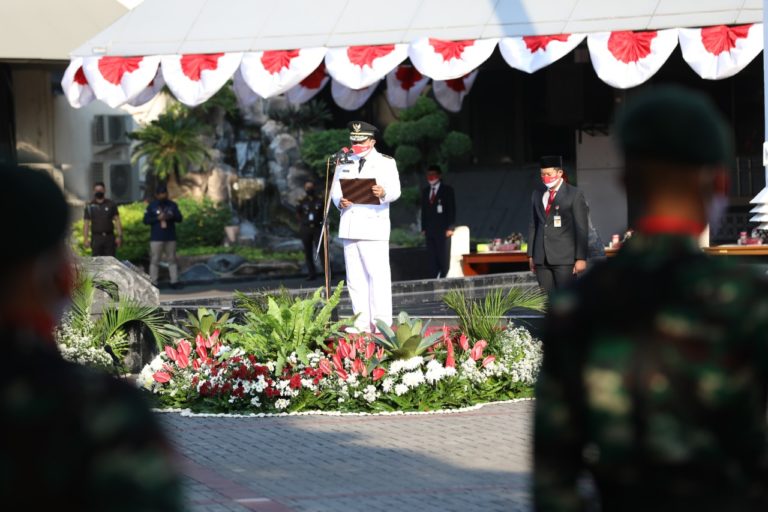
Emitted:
<point x="387" y="156"/>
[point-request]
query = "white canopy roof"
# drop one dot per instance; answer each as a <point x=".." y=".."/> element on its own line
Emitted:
<point x="160" y="27"/>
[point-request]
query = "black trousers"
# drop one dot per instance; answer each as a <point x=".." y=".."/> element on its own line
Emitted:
<point x="437" y="252"/>
<point x="551" y="277"/>
<point x="103" y="245"/>
<point x="309" y="239"/>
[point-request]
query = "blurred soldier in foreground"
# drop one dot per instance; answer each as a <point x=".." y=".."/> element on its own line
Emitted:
<point x="70" y="438"/>
<point x="656" y="361"/>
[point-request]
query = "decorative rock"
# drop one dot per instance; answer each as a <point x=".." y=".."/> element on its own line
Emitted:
<point x="284" y="150"/>
<point x="132" y="282"/>
<point x="225" y="263"/>
<point x="270" y="130"/>
<point x="198" y="272"/>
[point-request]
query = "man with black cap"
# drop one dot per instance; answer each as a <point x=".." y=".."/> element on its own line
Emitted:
<point x="558" y="232"/>
<point x="656" y="361"/>
<point x="72" y="438"/>
<point x="364" y="228"/>
<point x="100" y="219"/>
<point x="161" y="215"/>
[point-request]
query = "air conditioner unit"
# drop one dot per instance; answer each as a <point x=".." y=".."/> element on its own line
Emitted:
<point x="121" y="180"/>
<point x="112" y="130"/>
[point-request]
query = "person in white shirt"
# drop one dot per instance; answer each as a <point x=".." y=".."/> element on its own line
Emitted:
<point x="364" y="228"/>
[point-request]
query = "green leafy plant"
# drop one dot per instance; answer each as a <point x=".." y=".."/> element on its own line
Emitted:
<point x="406" y="238"/>
<point x="483" y="319"/>
<point x="285" y="326"/>
<point x="299" y="118"/>
<point x="247" y="252"/>
<point x="421" y="136"/>
<point x="317" y="146"/>
<point x="409" y="340"/>
<point x="171" y="144"/>
<point x="204" y="322"/>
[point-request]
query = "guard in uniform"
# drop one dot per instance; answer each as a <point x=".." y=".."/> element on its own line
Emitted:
<point x="656" y="361"/>
<point x="364" y="228"/>
<point x="99" y="222"/>
<point x="310" y="214"/>
<point x="438" y="216"/>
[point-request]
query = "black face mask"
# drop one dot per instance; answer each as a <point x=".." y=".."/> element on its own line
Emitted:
<point x="98" y="195"/>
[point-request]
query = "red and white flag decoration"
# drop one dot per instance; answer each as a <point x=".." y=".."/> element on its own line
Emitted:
<point x="404" y="86"/>
<point x="309" y="87"/>
<point x="149" y="93"/>
<point x="243" y="93"/>
<point x="75" y="85"/>
<point x="450" y="93"/>
<point x="531" y="53"/>
<point x="117" y="80"/>
<point x="358" y="67"/>
<point x="350" y="99"/>
<point x="194" y="78"/>
<point x="446" y="60"/>
<point x="273" y="72"/>
<point x="626" y="59"/>
<point x="721" y="51"/>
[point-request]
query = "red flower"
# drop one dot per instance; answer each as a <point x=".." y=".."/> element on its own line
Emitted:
<point x="337" y="362"/>
<point x="477" y="350"/>
<point x="450" y="361"/>
<point x="344" y="350"/>
<point x="342" y="374"/>
<point x="359" y="367"/>
<point x="488" y="360"/>
<point x="183" y="351"/>
<point x="271" y="392"/>
<point x="378" y="373"/>
<point x="171" y="353"/>
<point x="370" y="349"/>
<point x="196" y="364"/>
<point x="464" y="342"/>
<point x="215" y="349"/>
<point x="295" y="381"/>
<point x="162" y="377"/>
<point x="325" y="366"/>
<point x="213" y="339"/>
<point x="380" y="353"/>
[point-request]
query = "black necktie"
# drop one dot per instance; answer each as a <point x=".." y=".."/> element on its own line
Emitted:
<point x="362" y="162"/>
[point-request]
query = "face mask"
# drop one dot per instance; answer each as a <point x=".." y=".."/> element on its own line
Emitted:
<point x="550" y="181"/>
<point x="98" y="195"/>
<point x="361" y="150"/>
<point x="432" y="182"/>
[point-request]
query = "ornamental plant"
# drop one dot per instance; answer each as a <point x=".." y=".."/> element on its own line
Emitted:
<point x="408" y="341"/>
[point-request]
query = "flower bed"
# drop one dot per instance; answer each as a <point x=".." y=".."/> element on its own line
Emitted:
<point x="349" y="374"/>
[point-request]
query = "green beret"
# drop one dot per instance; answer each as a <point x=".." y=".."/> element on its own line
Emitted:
<point x="674" y="125"/>
<point x="35" y="212"/>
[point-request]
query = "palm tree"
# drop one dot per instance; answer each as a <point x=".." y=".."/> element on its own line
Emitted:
<point x="172" y="144"/>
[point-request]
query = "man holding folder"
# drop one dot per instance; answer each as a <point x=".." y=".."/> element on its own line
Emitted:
<point x="362" y="191"/>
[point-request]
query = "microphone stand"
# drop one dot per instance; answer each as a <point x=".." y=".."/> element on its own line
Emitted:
<point x="323" y="242"/>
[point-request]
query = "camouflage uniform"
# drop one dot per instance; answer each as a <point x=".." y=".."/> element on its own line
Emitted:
<point x="75" y="439"/>
<point x="654" y="381"/>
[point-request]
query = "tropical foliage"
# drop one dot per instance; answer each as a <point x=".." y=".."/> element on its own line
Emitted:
<point x="317" y="146"/>
<point x="408" y="340"/>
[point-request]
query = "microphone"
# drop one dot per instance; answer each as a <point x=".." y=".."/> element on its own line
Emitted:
<point x="342" y="156"/>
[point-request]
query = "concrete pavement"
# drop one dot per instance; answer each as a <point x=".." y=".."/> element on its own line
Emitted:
<point x="472" y="461"/>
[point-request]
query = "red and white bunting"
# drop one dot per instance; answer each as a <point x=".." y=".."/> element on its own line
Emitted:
<point x="404" y="86"/>
<point x="350" y="99"/>
<point x="75" y="85"/>
<point x="446" y="60"/>
<point x="117" y="80"/>
<point x="721" y="51"/>
<point x="194" y="78"/>
<point x="531" y="53"/>
<point x="148" y="94"/>
<point x="243" y="93"/>
<point x="626" y="59"/>
<point x="358" y="67"/>
<point x="309" y="87"/>
<point x="271" y="73"/>
<point x="450" y="93"/>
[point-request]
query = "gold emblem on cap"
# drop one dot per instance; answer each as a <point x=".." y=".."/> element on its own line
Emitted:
<point x="356" y="127"/>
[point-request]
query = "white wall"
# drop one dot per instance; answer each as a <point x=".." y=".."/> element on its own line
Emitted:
<point x="599" y="170"/>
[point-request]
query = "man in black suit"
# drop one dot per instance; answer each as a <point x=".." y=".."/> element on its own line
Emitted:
<point x="558" y="232"/>
<point x="438" y="215"/>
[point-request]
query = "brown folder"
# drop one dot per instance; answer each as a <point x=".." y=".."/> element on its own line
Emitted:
<point x="359" y="191"/>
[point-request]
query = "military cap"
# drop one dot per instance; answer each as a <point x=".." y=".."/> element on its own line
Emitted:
<point x="35" y="212"/>
<point x="360" y="131"/>
<point x="675" y="125"/>
<point x="551" y="161"/>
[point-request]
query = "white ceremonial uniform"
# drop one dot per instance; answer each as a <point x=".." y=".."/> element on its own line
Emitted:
<point x="364" y="230"/>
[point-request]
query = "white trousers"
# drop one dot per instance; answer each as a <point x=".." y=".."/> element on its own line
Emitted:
<point x="369" y="281"/>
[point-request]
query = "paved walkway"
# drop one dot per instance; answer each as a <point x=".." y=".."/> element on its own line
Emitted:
<point x="473" y="461"/>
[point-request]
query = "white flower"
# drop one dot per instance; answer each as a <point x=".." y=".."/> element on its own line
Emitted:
<point x="255" y="402"/>
<point x="404" y="365"/>
<point x="282" y="403"/>
<point x="401" y="389"/>
<point x="370" y="394"/>
<point x="387" y="384"/>
<point x="413" y="379"/>
<point x="436" y="371"/>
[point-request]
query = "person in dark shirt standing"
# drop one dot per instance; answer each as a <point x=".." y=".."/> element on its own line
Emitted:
<point x="438" y="216"/>
<point x="162" y="214"/>
<point x="100" y="220"/>
<point x="310" y="213"/>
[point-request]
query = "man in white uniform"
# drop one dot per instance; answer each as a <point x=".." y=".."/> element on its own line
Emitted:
<point x="364" y="228"/>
